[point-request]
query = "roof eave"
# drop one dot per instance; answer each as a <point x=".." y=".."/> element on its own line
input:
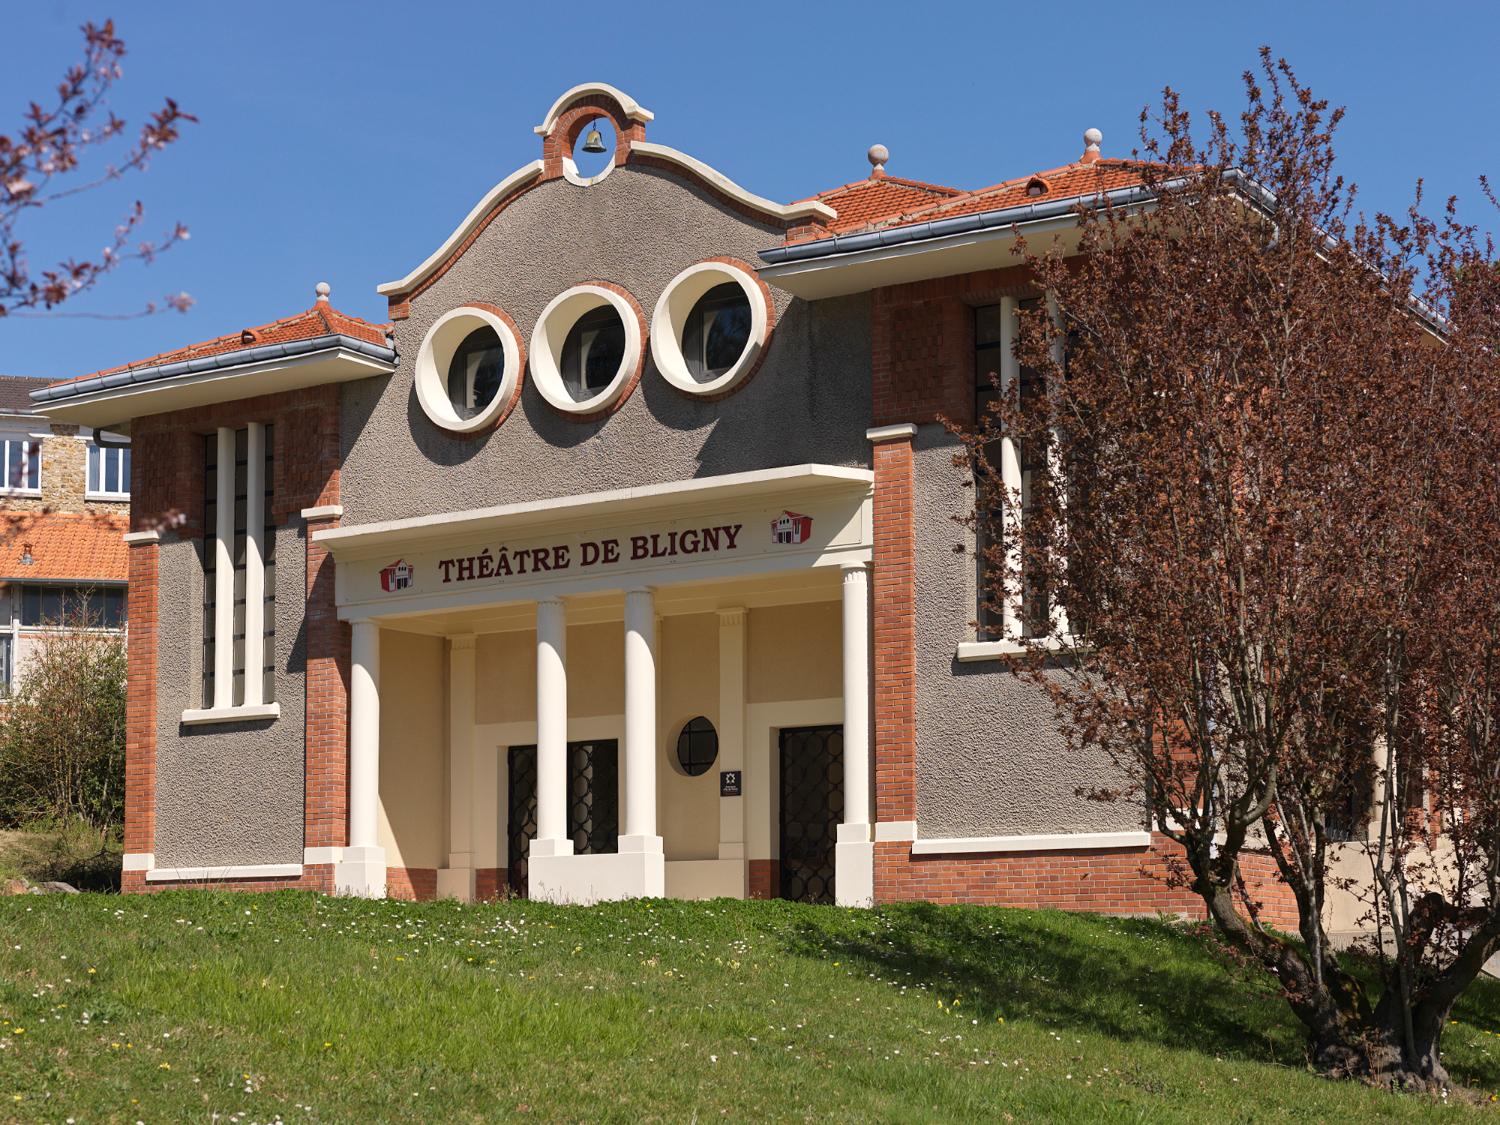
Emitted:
<point x="112" y="400"/>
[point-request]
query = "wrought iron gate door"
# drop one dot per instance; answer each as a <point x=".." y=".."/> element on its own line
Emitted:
<point x="593" y="803"/>
<point x="812" y="804"/>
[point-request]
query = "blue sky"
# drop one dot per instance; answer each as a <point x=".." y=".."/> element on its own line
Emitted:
<point x="343" y="141"/>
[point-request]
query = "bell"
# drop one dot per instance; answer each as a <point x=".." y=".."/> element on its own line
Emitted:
<point x="594" y="142"/>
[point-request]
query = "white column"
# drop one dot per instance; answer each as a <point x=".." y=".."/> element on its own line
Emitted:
<point x="361" y="869"/>
<point x="1010" y="477"/>
<point x="551" y="732"/>
<point x="640" y="721"/>
<point x="732" y="730"/>
<point x="854" y="854"/>
<point x="456" y="879"/>
<point x="224" y="573"/>
<point x="255" y="561"/>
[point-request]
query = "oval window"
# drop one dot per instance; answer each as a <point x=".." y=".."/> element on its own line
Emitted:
<point x="717" y="332"/>
<point x="475" y="372"/>
<point x="593" y="352"/>
<point x="711" y="326"/>
<point x="697" y="746"/>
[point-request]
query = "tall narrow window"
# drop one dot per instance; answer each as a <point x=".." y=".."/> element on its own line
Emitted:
<point x="108" y="473"/>
<point x="239" y="569"/>
<point x="5" y="664"/>
<point x="1014" y="602"/>
<point x="21" y="463"/>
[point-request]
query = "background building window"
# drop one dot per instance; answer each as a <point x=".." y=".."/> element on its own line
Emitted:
<point x="5" y="664"/>
<point x="697" y="746"/>
<point x="94" y="607"/>
<point x="21" y="462"/>
<point x="108" y="473"/>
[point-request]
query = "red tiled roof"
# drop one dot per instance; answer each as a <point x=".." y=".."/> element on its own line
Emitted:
<point x="887" y="210"/>
<point x="866" y="201"/>
<point x="79" y="546"/>
<point x="320" y="320"/>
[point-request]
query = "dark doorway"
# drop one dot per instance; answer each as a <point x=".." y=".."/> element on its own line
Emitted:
<point x="812" y="804"/>
<point x="593" y="803"/>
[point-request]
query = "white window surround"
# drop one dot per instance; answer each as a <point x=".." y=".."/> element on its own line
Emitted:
<point x="19" y="470"/>
<point x="670" y="318"/>
<point x="973" y="651"/>
<point x="102" y="452"/>
<point x="431" y="374"/>
<point x="551" y="332"/>
<point x="243" y="713"/>
<point x="1050" y="842"/>
<point x="214" y="874"/>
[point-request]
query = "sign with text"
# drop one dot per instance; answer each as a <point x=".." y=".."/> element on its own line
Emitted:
<point x="729" y="783"/>
<point x="503" y="562"/>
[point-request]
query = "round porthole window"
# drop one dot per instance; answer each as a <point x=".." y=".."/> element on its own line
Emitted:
<point x="586" y="349"/>
<point x="710" y="328"/>
<point x="468" y="369"/>
<point x="697" y="746"/>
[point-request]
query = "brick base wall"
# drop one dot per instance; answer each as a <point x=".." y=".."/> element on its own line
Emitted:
<point x="1110" y="881"/>
<point x="488" y="882"/>
<point x="413" y="884"/>
<point x="763" y="882"/>
<point x="315" y="877"/>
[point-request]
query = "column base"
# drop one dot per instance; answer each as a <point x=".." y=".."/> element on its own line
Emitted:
<point x="854" y="866"/>
<point x="360" y="872"/>
<point x="585" y="879"/>
<point x="456" y="882"/>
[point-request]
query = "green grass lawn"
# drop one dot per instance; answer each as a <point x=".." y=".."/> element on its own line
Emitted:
<point x="245" y="1008"/>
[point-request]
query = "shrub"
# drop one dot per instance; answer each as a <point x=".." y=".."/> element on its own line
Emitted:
<point x="62" y="741"/>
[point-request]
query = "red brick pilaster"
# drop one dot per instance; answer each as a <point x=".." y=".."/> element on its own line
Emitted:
<point x="326" y="794"/>
<point x="140" y="695"/>
<point x="763" y="881"/>
<point x="895" y="642"/>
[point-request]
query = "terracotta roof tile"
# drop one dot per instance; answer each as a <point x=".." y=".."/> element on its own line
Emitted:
<point x="866" y="201"/>
<point x="909" y="201"/>
<point x="320" y="320"/>
<point x="82" y="546"/>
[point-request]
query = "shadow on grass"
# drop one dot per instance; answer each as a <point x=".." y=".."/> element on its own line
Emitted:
<point x="1130" y="979"/>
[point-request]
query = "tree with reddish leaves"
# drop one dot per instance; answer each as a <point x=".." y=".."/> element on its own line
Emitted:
<point x="43" y="163"/>
<point x="1257" y="558"/>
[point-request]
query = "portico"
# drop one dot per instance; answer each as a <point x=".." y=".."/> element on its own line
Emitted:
<point x="640" y="610"/>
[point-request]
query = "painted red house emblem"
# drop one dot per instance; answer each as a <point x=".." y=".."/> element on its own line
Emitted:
<point x="395" y="577"/>
<point x="790" y="527"/>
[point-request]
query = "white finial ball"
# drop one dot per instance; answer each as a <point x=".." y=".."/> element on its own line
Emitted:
<point x="1092" y="139"/>
<point x="877" y="156"/>
<point x="322" y="289"/>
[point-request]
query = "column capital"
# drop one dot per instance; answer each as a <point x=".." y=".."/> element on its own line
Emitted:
<point x="853" y="570"/>
<point x="463" y="642"/>
<point x="732" y="615"/>
<point x="551" y="599"/>
<point x="905" y="431"/>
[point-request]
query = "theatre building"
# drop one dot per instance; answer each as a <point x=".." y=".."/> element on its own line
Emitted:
<point x="621" y="562"/>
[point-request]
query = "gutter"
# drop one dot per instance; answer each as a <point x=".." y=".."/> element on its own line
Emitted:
<point x="115" y="380"/>
<point x="991" y="220"/>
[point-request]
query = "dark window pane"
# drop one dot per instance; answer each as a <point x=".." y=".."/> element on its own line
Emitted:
<point x="593" y="352"/>
<point x="717" y="332"/>
<point x="475" y="371"/>
<point x="697" y="746"/>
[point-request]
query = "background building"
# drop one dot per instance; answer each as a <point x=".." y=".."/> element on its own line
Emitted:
<point x="63" y="514"/>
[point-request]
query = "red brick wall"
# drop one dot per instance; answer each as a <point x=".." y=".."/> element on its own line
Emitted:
<point x="167" y="485"/>
<point x="922" y="344"/>
<point x="488" y="882"/>
<point x="895" y="642"/>
<point x="413" y="884"/>
<point x="764" y="878"/>
<point x="140" y="700"/>
<point x="1112" y="881"/>
<point x="326" y="780"/>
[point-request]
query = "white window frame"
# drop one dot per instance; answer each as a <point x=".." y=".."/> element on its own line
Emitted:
<point x="104" y="451"/>
<point x="1013" y="641"/>
<point x="26" y="441"/>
